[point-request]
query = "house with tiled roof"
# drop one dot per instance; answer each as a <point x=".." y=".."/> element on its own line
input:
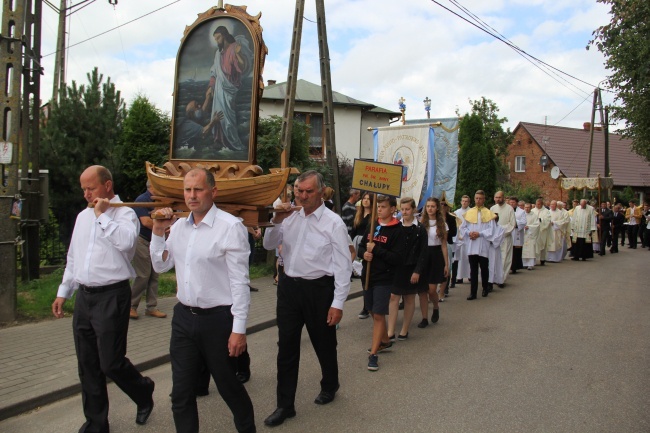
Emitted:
<point x="352" y="118"/>
<point x="568" y="149"/>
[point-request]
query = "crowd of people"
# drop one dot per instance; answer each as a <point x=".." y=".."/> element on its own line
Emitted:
<point x="401" y="255"/>
<point x="430" y="252"/>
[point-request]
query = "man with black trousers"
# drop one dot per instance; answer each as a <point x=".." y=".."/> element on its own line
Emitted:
<point x="99" y="267"/>
<point x="311" y="290"/>
<point x="605" y="220"/>
<point x="209" y="250"/>
<point x="618" y="224"/>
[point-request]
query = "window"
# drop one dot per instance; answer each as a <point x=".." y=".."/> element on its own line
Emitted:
<point x="316" y="139"/>
<point x="520" y="164"/>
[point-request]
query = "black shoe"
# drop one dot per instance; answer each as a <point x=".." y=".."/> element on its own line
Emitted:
<point x="502" y="285"/>
<point x="382" y="346"/>
<point x="471" y="298"/>
<point x="451" y="286"/>
<point x="459" y="281"/>
<point x="423" y="324"/>
<point x="447" y="290"/>
<point x="243" y="377"/>
<point x="401" y="305"/>
<point x="253" y="289"/>
<point x="543" y="262"/>
<point x="142" y="415"/>
<point x="490" y="287"/>
<point x="435" y="316"/>
<point x="575" y="259"/>
<point x="326" y="396"/>
<point x="363" y="314"/>
<point x="484" y="293"/>
<point x="279" y="415"/>
<point x="401" y="337"/>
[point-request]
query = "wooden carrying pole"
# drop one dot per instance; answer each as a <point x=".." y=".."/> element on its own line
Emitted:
<point x="371" y="234"/>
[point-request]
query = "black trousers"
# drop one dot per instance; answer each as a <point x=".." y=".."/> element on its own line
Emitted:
<point x="517" y="261"/>
<point x="204" y="338"/>
<point x="632" y="235"/>
<point x="616" y="232"/>
<point x="605" y="240"/>
<point x="304" y="303"/>
<point x="100" y="325"/>
<point x="240" y="364"/>
<point x="474" y="262"/>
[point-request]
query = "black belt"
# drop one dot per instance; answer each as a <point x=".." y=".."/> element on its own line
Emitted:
<point x="305" y="280"/>
<point x="100" y="289"/>
<point x="204" y="311"/>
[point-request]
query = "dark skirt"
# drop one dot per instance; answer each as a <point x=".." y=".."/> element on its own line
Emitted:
<point x="436" y="265"/>
<point x="402" y="282"/>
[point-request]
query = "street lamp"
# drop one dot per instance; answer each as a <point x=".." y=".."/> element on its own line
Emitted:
<point x="402" y="108"/>
<point x="427" y="106"/>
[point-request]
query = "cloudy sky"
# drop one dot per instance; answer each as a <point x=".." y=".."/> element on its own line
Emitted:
<point x="380" y="51"/>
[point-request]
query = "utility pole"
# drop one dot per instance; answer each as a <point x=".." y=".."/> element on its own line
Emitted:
<point x="59" y="56"/>
<point x="328" y="107"/>
<point x="11" y="36"/>
<point x="326" y="86"/>
<point x="292" y="78"/>
<point x="30" y="181"/>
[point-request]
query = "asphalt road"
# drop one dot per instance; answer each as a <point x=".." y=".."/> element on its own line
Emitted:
<point x="563" y="348"/>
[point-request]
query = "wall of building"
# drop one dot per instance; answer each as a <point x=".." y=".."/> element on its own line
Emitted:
<point x="524" y="145"/>
<point x="347" y="124"/>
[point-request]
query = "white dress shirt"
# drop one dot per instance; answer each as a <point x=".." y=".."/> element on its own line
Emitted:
<point x="211" y="260"/>
<point x="314" y="246"/>
<point x="101" y="249"/>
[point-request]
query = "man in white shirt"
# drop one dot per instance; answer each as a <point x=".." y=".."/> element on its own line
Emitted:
<point x="530" y="251"/>
<point x="508" y="222"/>
<point x="209" y="250"/>
<point x="560" y="223"/>
<point x="311" y="290"/>
<point x="99" y="267"/>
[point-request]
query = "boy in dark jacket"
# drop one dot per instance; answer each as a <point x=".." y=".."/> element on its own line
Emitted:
<point x="385" y="250"/>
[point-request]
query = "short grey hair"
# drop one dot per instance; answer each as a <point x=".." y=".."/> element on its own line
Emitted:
<point x="320" y="181"/>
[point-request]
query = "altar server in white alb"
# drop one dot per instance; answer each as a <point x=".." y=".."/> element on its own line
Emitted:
<point x="508" y="221"/>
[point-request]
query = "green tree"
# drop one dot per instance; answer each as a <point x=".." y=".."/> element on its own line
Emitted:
<point x="625" y="42"/>
<point x="493" y="131"/>
<point x="83" y="128"/>
<point x="528" y="193"/>
<point x="269" y="147"/>
<point x="476" y="160"/>
<point x="145" y="137"/>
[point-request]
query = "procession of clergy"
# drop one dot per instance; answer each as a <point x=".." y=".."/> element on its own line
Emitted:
<point x="524" y="235"/>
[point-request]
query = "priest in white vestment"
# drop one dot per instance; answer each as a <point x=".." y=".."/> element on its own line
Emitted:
<point x="560" y="222"/>
<point x="545" y="233"/>
<point x="530" y="251"/>
<point x="508" y="222"/>
<point x="583" y="226"/>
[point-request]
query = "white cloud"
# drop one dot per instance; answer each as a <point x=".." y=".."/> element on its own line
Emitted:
<point x="379" y="51"/>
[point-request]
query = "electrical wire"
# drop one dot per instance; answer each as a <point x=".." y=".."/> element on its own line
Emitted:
<point x="567" y="115"/>
<point x="115" y="28"/>
<point x="511" y="44"/>
<point x="521" y="52"/>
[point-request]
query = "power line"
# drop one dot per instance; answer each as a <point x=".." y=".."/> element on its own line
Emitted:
<point x="115" y="28"/>
<point x="511" y="44"/>
<point x="567" y="115"/>
<point x="523" y="53"/>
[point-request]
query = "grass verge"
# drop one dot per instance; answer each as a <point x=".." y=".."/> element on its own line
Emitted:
<point x="35" y="297"/>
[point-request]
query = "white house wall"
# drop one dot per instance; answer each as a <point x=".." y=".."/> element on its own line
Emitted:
<point x="352" y="138"/>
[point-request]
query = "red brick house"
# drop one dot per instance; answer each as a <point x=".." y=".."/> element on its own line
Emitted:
<point x="568" y="149"/>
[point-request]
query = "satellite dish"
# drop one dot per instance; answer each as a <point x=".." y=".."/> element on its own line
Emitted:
<point x="555" y="172"/>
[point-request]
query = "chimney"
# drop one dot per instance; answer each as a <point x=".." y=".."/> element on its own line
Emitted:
<point x="586" y="126"/>
<point x="271" y="82"/>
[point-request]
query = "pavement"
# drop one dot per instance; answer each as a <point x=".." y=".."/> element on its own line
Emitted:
<point x="39" y="364"/>
<point x="562" y="348"/>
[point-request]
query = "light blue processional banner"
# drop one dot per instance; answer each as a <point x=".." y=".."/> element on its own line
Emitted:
<point x="428" y="150"/>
